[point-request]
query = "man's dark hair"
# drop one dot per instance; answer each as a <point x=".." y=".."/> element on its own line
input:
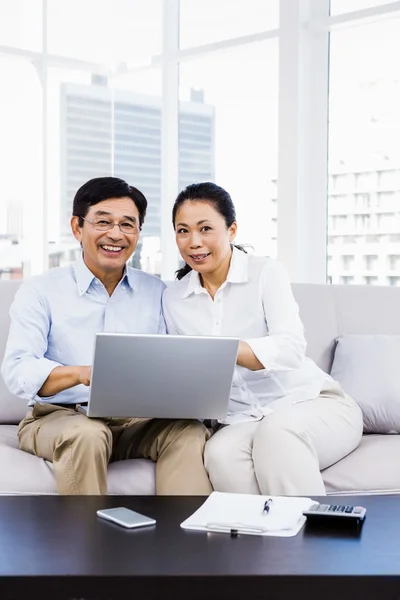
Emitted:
<point x="102" y="188"/>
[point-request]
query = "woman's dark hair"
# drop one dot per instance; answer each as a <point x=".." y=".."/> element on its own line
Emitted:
<point x="102" y="188"/>
<point x="213" y="194"/>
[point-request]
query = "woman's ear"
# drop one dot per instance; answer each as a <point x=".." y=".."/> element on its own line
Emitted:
<point x="232" y="231"/>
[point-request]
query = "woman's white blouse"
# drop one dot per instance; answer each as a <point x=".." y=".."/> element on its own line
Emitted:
<point x="255" y="304"/>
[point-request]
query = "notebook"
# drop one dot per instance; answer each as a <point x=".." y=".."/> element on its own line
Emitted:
<point x="244" y="513"/>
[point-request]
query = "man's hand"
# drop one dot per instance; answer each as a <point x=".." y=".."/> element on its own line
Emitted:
<point x="85" y="375"/>
<point x="63" y="378"/>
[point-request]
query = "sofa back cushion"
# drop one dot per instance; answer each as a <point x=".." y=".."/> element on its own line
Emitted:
<point x="329" y="311"/>
<point x="319" y="316"/>
<point x="12" y="409"/>
<point x="367" y="366"/>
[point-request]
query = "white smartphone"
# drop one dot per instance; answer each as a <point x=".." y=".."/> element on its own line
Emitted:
<point x="125" y="517"/>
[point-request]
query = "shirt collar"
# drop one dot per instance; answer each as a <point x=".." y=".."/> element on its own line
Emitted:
<point x="84" y="276"/>
<point x="238" y="270"/>
<point x="130" y="276"/>
<point x="238" y="273"/>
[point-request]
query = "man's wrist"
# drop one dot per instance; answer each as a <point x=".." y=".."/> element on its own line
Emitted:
<point x="78" y="374"/>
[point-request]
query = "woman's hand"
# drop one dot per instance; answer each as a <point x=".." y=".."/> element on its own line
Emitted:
<point x="247" y="358"/>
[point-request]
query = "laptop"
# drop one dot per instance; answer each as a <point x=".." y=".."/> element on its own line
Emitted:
<point x="161" y="376"/>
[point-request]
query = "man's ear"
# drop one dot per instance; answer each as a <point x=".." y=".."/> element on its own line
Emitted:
<point x="76" y="229"/>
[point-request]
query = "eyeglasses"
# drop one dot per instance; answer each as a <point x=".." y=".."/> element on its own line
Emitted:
<point x="102" y="224"/>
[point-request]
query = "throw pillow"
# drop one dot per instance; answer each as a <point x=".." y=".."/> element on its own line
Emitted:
<point x="368" y="368"/>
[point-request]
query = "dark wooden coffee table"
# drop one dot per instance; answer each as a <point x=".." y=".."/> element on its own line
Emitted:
<point x="56" y="547"/>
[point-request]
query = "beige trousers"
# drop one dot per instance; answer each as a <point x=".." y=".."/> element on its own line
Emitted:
<point x="284" y="453"/>
<point x="81" y="448"/>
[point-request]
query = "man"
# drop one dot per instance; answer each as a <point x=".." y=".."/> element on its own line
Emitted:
<point x="54" y="319"/>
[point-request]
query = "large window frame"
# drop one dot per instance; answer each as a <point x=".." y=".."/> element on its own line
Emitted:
<point x="303" y="38"/>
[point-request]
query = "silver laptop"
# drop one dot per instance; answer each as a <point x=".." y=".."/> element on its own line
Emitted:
<point x="161" y="376"/>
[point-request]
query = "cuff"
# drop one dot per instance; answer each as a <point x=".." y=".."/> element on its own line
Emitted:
<point x="265" y="350"/>
<point x="35" y="378"/>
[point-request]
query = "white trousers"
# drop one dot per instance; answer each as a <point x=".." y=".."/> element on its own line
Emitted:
<point x="284" y="453"/>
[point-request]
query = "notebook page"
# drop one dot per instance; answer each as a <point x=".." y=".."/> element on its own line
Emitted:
<point x="245" y="511"/>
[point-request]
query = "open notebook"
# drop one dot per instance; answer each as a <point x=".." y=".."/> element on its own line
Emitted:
<point x="243" y="513"/>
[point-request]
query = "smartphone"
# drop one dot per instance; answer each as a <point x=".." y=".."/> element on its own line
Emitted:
<point x="125" y="517"/>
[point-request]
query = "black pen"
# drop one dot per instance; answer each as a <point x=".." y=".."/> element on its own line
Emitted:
<point x="267" y="505"/>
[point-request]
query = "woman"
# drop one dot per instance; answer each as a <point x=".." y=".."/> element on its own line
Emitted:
<point x="287" y="419"/>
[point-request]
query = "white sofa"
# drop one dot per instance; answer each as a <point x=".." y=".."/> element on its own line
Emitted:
<point x="327" y="311"/>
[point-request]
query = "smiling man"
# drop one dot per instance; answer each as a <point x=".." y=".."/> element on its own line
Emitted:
<point x="54" y="319"/>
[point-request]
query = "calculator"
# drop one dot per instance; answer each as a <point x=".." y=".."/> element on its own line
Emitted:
<point x="335" y="513"/>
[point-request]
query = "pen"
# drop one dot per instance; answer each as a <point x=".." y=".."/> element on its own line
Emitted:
<point x="234" y="529"/>
<point x="267" y="505"/>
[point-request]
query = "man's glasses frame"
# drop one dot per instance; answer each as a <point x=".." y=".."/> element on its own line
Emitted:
<point x="102" y="224"/>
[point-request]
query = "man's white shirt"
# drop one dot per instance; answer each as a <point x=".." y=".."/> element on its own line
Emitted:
<point x="255" y="304"/>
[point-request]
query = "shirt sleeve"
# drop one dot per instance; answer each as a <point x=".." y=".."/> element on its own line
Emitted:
<point x="171" y="328"/>
<point x="25" y="367"/>
<point x="284" y="347"/>
<point x="162" y="327"/>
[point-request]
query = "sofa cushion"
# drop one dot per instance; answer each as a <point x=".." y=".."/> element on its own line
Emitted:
<point x="373" y="468"/>
<point x="23" y="473"/>
<point x="20" y="472"/>
<point x="135" y="476"/>
<point x="367" y="367"/>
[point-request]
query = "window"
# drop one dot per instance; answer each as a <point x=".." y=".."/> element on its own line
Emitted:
<point x="347" y="262"/>
<point x="339" y="7"/>
<point x="387" y="201"/>
<point x="363" y="201"/>
<point x="371" y="262"/>
<point x="362" y="222"/>
<point x="103" y="75"/>
<point x="390" y="179"/>
<point x="112" y="33"/>
<point x="207" y="21"/>
<point x="387" y="222"/>
<point x="346" y="279"/>
<point x="274" y="230"/>
<point x="235" y="143"/>
<point x="366" y="181"/>
<point x="20" y="156"/>
<point x="372" y="239"/>
<point x="21" y="24"/>
<point x="394" y="281"/>
<point x="394" y="262"/>
<point x="340" y="223"/>
<point x="370" y="280"/>
<point x="103" y="118"/>
<point x="344" y="183"/>
<point x="364" y="126"/>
